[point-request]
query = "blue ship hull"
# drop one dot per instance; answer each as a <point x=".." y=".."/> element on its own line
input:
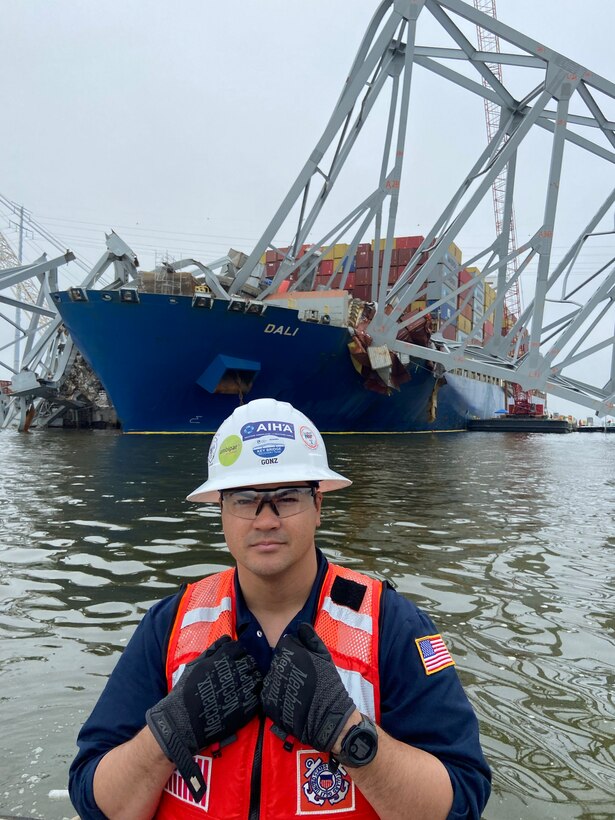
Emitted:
<point x="157" y="360"/>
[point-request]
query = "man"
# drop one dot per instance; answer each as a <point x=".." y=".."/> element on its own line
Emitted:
<point x="287" y="686"/>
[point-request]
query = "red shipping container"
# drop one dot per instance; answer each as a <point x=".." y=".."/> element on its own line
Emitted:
<point x="488" y="329"/>
<point x="326" y="267"/>
<point x="365" y="257"/>
<point x="467" y="312"/>
<point x="363" y="292"/>
<point x="540" y="409"/>
<point x="464" y="276"/>
<point x="271" y="268"/>
<point x="404" y="255"/>
<point x="363" y="276"/>
<point x="408" y="241"/>
<point x="449" y="332"/>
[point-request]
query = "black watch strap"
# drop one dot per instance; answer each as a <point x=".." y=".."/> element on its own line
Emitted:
<point x="360" y="744"/>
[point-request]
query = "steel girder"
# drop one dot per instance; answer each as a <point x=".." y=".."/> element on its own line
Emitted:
<point x="45" y="350"/>
<point x="388" y="55"/>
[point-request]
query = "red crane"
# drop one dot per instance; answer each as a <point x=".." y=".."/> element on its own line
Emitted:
<point x="490" y="42"/>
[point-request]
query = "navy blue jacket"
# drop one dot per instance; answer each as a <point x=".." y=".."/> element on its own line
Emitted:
<point x="430" y="712"/>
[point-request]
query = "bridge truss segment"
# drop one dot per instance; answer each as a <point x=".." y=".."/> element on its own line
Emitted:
<point x="563" y="325"/>
<point x="41" y="380"/>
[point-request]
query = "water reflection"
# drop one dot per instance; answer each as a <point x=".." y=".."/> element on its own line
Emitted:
<point x="506" y="541"/>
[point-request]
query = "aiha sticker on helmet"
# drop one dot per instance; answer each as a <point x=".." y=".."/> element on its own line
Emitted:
<point x="257" y="429"/>
<point x="230" y="450"/>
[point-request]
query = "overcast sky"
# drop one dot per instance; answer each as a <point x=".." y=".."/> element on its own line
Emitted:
<point x="183" y="125"/>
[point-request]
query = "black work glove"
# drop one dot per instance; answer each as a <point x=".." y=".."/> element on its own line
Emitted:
<point x="303" y="693"/>
<point x="216" y="695"/>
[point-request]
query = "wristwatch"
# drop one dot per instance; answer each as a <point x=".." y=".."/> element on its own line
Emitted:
<point x="360" y="744"/>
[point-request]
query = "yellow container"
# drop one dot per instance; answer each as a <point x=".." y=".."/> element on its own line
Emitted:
<point x="473" y="271"/>
<point x="464" y="324"/>
<point x="420" y="305"/>
<point x="340" y="251"/>
<point x="382" y="244"/>
<point x="455" y="252"/>
<point x="263" y="260"/>
<point x="489" y="295"/>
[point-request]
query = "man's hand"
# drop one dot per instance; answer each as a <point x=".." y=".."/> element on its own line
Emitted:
<point x="216" y="695"/>
<point x="303" y="693"/>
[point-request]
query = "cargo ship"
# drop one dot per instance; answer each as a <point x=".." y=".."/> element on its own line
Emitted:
<point x="177" y="356"/>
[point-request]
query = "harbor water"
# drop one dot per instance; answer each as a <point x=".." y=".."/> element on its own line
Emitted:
<point x="507" y="540"/>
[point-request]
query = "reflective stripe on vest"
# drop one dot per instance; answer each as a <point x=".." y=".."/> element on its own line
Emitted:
<point x="206" y="612"/>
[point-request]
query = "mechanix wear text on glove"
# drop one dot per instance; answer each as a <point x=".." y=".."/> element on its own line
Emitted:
<point x="216" y="695"/>
<point x="303" y="693"/>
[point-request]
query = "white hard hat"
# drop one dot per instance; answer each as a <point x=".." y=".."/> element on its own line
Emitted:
<point x="266" y="442"/>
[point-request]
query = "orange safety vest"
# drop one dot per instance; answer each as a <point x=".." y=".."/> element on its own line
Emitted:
<point x="255" y="775"/>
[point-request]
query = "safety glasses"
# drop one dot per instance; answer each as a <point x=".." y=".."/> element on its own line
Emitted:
<point x="285" y="501"/>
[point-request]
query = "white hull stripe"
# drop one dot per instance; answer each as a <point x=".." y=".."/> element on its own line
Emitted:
<point x="348" y="616"/>
<point x="360" y="690"/>
<point x="206" y="614"/>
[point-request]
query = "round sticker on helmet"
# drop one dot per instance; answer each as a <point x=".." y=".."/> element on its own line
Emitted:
<point x="230" y="450"/>
<point x="212" y="449"/>
<point x="308" y="437"/>
<point x="268" y="450"/>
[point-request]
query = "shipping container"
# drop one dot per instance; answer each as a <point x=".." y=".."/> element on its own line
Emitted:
<point x="464" y="324"/>
<point x="404" y="255"/>
<point x="408" y="242"/>
<point x="365" y="257"/>
<point x="455" y="252"/>
<point x="363" y="292"/>
<point x="326" y="267"/>
<point x="342" y="263"/>
<point x="444" y="311"/>
<point x="449" y="332"/>
<point x="363" y="276"/>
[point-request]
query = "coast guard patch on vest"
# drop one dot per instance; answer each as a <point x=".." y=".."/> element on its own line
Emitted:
<point x="320" y="790"/>
<point x="434" y="654"/>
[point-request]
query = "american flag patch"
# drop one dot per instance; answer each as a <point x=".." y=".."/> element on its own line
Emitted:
<point x="434" y="654"/>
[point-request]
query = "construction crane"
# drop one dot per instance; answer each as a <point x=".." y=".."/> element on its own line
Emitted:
<point x="488" y="41"/>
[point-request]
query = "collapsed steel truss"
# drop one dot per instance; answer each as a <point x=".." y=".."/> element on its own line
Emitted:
<point x="46" y="350"/>
<point x="387" y="58"/>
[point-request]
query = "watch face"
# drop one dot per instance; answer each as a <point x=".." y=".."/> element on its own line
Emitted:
<point x="360" y="744"/>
